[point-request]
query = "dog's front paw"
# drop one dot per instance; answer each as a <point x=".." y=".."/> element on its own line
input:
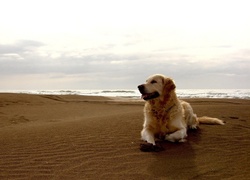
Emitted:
<point x="168" y="137"/>
<point x="171" y="138"/>
<point x="182" y="140"/>
<point x="194" y="126"/>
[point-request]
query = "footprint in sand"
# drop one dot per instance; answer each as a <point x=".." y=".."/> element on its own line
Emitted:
<point x="233" y="117"/>
<point x="19" y="119"/>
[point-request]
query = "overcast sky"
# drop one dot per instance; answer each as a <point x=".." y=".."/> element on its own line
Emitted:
<point x="117" y="44"/>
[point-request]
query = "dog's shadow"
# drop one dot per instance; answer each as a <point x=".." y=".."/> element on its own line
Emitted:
<point x="177" y="160"/>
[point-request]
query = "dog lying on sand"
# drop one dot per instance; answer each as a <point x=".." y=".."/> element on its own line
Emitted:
<point x="165" y="116"/>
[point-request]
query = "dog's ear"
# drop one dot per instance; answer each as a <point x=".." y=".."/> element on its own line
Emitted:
<point x="168" y="85"/>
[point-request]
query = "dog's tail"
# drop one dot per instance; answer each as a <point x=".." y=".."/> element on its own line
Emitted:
<point x="210" y="120"/>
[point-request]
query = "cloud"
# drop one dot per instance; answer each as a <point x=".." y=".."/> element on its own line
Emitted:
<point x="24" y="60"/>
<point x="19" y="47"/>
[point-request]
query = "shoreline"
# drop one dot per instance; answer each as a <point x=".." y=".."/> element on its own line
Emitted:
<point x="134" y="93"/>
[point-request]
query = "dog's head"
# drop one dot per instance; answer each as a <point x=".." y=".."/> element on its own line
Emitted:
<point x="156" y="86"/>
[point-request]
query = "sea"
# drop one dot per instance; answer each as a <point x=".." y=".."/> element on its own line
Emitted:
<point x="134" y="93"/>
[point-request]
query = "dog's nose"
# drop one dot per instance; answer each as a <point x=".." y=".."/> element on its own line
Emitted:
<point x="141" y="87"/>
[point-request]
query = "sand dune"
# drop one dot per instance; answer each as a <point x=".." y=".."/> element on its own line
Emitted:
<point x="80" y="137"/>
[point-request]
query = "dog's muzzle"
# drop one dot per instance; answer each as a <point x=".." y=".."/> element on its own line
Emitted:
<point x="141" y="88"/>
<point x="145" y="95"/>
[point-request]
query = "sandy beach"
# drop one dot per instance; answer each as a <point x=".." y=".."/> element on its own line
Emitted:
<point x="82" y="137"/>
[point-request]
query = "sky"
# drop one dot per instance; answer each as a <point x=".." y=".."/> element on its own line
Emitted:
<point x="117" y="44"/>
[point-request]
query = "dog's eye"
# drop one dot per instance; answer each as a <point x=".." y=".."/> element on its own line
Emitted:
<point x="153" y="82"/>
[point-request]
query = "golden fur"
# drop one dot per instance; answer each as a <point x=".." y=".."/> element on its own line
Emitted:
<point x="165" y="116"/>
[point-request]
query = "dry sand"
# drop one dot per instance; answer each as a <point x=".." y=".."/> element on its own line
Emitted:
<point x="80" y="137"/>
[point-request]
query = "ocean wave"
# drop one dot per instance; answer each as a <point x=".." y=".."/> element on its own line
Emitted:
<point x="118" y="91"/>
<point x="181" y="93"/>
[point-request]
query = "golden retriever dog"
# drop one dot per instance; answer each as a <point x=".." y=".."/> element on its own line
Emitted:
<point x="165" y="116"/>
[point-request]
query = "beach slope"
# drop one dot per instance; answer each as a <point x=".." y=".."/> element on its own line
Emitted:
<point x="81" y="137"/>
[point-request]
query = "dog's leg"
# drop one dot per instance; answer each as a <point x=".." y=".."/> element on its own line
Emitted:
<point x="193" y="122"/>
<point x="148" y="136"/>
<point x="178" y="136"/>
